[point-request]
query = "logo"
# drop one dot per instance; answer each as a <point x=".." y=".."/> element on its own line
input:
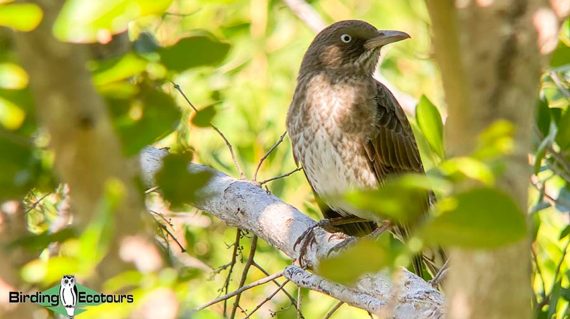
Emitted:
<point x="69" y="298"/>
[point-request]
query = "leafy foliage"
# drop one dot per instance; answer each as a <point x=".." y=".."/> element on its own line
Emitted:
<point x="237" y="62"/>
<point x="479" y="218"/>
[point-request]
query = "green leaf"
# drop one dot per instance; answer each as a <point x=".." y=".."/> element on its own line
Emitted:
<point x="118" y="69"/>
<point x="11" y="115"/>
<point x="565" y="293"/>
<point x="99" y="234"/>
<point x="401" y="199"/>
<point x="178" y="184"/>
<point x="565" y="232"/>
<point x="204" y="117"/>
<point x="194" y="51"/>
<point x="563" y="135"/>
<point x="479" y="218"/>
<point x="90" y="21"/>
<point x="560" y="55"/>
<point x="41" y="241"/>
<point x="429" y="121"/>
<point x="144" y="118"/>
<point x="495" y="141"/>
<point x="459" y="167"/>
<point x="365" y="256"/>
<point x="554" y="298"/>
<point x="12" y="76"/>
<point x="20" y="16"/>
<point x="543" y="116"/>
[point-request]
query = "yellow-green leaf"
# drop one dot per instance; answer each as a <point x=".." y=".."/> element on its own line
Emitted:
<point x="429" y="121"/>
<point x="20" y="16"/>
<point x="480" y="218"/>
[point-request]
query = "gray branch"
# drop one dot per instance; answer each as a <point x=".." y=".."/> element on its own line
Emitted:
<point x="245" y="205"/>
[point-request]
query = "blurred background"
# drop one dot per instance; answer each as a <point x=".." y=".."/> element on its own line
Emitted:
<point x="237" y="62"/>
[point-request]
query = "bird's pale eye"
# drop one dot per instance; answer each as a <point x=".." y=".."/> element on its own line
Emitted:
<point x="346" y="38"/>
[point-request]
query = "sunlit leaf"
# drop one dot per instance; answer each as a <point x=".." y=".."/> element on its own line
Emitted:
<point x="365" y="256"/>
<point x="560" y="55"/>
<point x="204" y="117"/>
<point x="96" y="238"/>
<point x="20" y="16"/>
<point x="178" y="184"/>
<point x="429" y="121"/>
<point x="11" y="115"/>
<point x="479" y="218"/>
<point x="194" y="51"/>
<point x="495" y="141"/>
<point x="400" y="199"/>
<point x="118" y="69"/>
<point x="91" y="21"/>
<point x="460" y="167"/>
<point x="12" y="76"/>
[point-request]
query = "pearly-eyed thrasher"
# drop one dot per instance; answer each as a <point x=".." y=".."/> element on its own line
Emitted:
<point x="347" y="129"/>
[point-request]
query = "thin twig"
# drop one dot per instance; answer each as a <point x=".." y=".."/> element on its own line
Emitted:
<point x="294" y="301"/>
<point x="281" y="176"/>
<point x="267" y="299"/>
<point x="248" y="264"/>
<point x="161" y="217"/>
<point x="240" y="290"/>
<point x="232" y="264"/>
<point x="307" y="14"/>
<point x="150" y="190"/>
<point x="36" y="203"/>
<point x="333" y="310"/>
<point x="268" y="153"/>
<point x="538" y="271"/>
<point x="558" y="82"/>
<point x="164" y="228"/>
<point x="232" y="153"/>
<point x="228" y="144"/>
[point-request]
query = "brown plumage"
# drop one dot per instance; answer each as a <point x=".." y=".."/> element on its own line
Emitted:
<point x="347" y="129"/>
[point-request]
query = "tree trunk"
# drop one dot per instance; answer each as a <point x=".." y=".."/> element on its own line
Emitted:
<point x="87" y="152"/>
<point x="490" y="61"/>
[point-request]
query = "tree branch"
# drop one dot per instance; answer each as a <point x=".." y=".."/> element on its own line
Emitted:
<point x="243" y="204"/>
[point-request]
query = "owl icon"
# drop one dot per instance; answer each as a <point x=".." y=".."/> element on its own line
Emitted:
<point x="68" y="294"/>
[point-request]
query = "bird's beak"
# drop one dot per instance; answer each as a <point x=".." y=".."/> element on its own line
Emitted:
<point x="385" y="37"/>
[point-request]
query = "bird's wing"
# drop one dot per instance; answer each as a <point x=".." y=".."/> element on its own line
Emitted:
<point x="392" y="149"/>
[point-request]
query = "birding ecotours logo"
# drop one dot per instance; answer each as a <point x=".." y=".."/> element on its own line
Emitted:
<point x="69" y="298"/>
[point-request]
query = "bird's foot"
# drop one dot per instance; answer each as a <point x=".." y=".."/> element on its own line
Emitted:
<point x="308" y="238"/>
<point x="351" y="240"/>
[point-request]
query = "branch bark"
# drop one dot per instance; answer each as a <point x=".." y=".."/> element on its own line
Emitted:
<point x="245" y="205"/>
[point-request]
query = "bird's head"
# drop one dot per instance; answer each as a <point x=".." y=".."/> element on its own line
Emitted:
<point x="351" y="44"/>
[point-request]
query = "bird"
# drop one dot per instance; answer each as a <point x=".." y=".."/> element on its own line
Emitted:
<point x="347" y="129"/>
<point x="68" y="294"/>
